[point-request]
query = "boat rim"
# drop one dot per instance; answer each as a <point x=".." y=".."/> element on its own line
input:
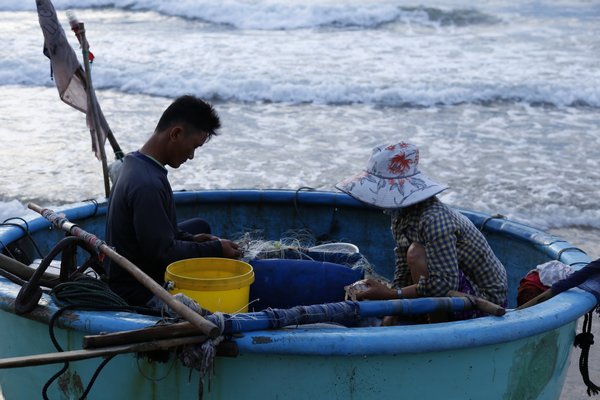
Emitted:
<point x="554" y="313"/>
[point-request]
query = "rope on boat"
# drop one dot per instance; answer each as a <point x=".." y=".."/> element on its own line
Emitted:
<point x="342" y="312"/>
<point x="60" y="220"/>
<point x="488" y="219"/>
<point x="588" y="279"/>
<point x="85" y="291"/>
<point x="298" y="214"/>
<point x="199" y="356"/>
<point x="333" y="225"/>
<point x="7" y="250"/>
<point x="585" y="340"/>
<point x="27" y="232"/>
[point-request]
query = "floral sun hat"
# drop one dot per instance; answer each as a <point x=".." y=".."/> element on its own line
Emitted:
<point x="391" y="179"/>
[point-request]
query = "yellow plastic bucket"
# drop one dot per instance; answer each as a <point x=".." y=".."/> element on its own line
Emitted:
<point x="217" y="284"/>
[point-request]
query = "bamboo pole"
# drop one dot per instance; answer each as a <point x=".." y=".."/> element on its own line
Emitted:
<point x="226" y="348"/>
<point x="481" y="304"/>
<point x="157" y="332"/>
<point x="206" y="327"/>
<point x="259" y="320"/>
<point x="109" y="134"/>
<point x="74" y="355"/>
<point x="91" y="109"/>
<point x="540" y="298"/>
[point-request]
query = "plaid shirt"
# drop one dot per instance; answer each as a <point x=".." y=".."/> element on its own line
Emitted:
<point x="452" y="242"/>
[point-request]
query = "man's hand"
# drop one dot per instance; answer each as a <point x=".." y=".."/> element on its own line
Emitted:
<point x="230" y="249"/>
<point x="376" y="291"/>
<point x="204" y="237"/>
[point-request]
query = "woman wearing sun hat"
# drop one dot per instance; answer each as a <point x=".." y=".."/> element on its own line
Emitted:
<point x="437" y="249"/>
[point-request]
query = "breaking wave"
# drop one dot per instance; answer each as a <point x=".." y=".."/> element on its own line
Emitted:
<point x="281" y="14"/>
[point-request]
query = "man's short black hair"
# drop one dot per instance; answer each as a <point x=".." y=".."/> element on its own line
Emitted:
<point x="192" y="111"/>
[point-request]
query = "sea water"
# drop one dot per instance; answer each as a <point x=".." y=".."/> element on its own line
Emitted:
<point x="502" y="98"/>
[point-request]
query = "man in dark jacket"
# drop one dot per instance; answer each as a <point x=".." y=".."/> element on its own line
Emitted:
<point x="141" y="222"/>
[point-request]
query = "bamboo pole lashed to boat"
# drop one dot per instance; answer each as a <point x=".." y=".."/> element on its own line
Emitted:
<point x="480" y="303"/>
<point x="299" y="315"/>
<point x="92" y="109"/>
<point x="74" y="355"/>
<point x="87" y="54"/>
<point x="206" y="327"/>
<point x="540" y="298"/>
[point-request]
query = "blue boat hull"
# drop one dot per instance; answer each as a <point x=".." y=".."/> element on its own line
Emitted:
<point x="521" y="355"/>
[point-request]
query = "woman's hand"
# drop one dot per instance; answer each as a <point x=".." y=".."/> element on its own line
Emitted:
<point x="376" y="291"/>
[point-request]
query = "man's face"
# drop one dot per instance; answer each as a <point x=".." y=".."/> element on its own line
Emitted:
<point x="185" y="142"/>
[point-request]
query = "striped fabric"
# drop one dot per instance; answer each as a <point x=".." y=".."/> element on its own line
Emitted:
<point x="452" y="242"/>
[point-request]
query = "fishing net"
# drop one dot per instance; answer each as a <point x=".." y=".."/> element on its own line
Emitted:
<point x="301" y="245"/>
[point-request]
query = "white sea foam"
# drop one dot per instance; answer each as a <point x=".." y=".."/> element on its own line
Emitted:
<point x="531" y="164"/>
<point x="138" y="53"/>
<point x="281" y="14"/>
<point x="286" y="14"/>
<point x="473" y="95"/>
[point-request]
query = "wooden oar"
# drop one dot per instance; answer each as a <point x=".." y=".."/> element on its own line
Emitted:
<point x="206" y="327"/>
<point x="53" y="358"/>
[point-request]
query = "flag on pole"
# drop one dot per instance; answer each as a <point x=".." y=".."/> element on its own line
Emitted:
<point x="68" y="73"/>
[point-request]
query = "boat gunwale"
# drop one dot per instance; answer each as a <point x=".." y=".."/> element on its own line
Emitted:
<point x="554" y="313"/>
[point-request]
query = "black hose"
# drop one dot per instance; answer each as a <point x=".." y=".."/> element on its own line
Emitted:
<point x="98" y="307"/>
<point x="26" y="230"/>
